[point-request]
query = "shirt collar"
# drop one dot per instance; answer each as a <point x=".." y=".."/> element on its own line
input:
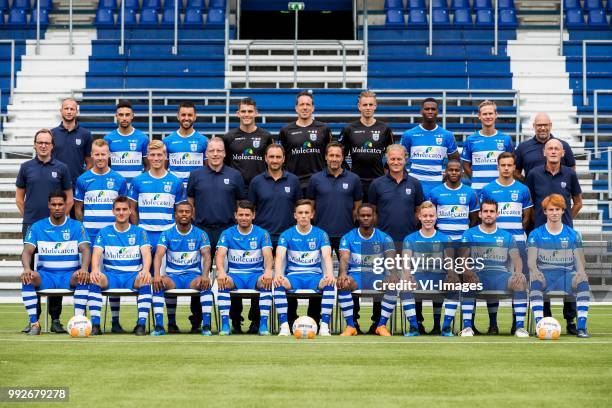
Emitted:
<point x="61" y="126"/>
<point x="268" y="176"/>
<point x="52" y="161"/>
<point x="404" y="176"/>
<point x="328" y="174"/>
<point x="536" y="141"/>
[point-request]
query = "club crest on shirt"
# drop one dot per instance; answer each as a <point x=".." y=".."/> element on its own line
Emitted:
<point x="77" y="141"/>
<point x="408" y="191"/>
<point x="54" y="174"/>
<point x="110" y="184"/>
<point x="376" y="248"/>
<point x="191" y="245"/>
<point x="287" y="189"/>
<point x="226" y="181"/>
<point x="193" y="147"/>
<point x="313" y="135"/>
<point x="132" y="240"/>
<point x="66" y="235"/>
<point x="167" y="187"/>
<point x="564" y="243"/>
<point x="132" y="146"/>
<point x="500" y="241"/>
<point x="345" y="186"/>
<point x="462" y="199"/>
<point x="500" y="145"/>
<point x="253" y="244"/>
<point x="438" y="141"/>
<point x="514" y="196"/>
<point x="563" y="184"/>
<point x="312" y="245"/>
<point x="435" y="247"/>
<point x="375" y="135"/>
<point x="256" y="143"/>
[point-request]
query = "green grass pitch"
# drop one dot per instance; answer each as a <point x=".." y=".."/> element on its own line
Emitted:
<point x="364" y="371"/>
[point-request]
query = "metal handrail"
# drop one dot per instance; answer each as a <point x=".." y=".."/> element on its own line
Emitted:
<point x="302" y="42"/>
<point x="596" y="94"/>
<point x="561" y="28"/>
<point x="122" y="41"/>
<point x="585" y="98"/>
<point x="12" y="79"/>
<point x="37" y="27"/>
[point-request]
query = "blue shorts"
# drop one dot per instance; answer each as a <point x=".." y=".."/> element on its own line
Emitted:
<point x="183" y="280"/>
<point x="55" y="280"/>
<point x="497" y="281"/>
<point x="559" y="282"/>
<point x="305" y="281"/>
<point x="366" y="280"/>
<point x="121" y="280"/>
<point x="245" y="280"/>
<point x="153" y="237"/>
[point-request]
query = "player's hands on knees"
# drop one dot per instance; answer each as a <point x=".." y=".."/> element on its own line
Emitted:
<point x="82" y="277"/>
<point x="95" y="277"/>
<point x="538" y="276"/>
<point x="144" y="277"/>
<point x="266" y="280"/>
<point x="279" y="280"/>
<point x="27" y="276"/>
<point x="328" y="280"/>
<point x="222" y="281"/>
<point x="470" y="277"/>
<point x="158" y="283"/>
<point x="343" y="282"/>
<point x="203" y="282"/>
<point x="517" y="281"/>
<point x="579" y="277"/>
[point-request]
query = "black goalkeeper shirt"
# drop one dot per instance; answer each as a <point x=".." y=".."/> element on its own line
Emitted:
<point x="246" y="151"/>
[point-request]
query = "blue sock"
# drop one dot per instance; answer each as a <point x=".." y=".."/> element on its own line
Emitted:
<point x="94" y="302"/>
<point x="30" y="300"/>
<point x="81" y="294"/>
<point x="450" y="308"/>
<point x="280" y="301"/>
<point x="345" y="300"/>
<point x="263" y="323"/>
<point x="386" y="308"/>
<point x="537" y="300"/>
<point x="467" y="310"/>
<point x="265" y="304"/>
<point x="206" y="300"/>
<point x="327" y="303"/>
<point x="520" y="308"/>
<point x="158" y="307"/>
<point x="223" y="299"/>
<point x="144" y="304"/>
<point x="583" y="299"/>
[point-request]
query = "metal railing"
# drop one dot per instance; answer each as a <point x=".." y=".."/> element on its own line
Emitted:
<point x="295" y="49"/>
<point x="561" y="28"/>
<point x="585" y="98"/>
<point x="596" y="94"/>
<point x="12" y="79"/>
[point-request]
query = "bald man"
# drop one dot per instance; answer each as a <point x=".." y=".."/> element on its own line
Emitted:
<point x="530" y="153"/>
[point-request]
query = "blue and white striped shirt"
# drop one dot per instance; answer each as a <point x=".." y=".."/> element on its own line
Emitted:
<point x="430" y="249"/>
<point x="511" y="201"/>
<point x="363" y="250"/>
<point x="453" y="209"/>
<point x="122" y="249"/>
<point x="556" y="252"/>
<point x="183" y="250"/>
<point x="245" y="251"/>
<point x="493" y="248"/>
<point x="185" y="154"/>
<point x="482" y="152"/>
<point x="304" y="250"/>
<point x="127" y="152"/>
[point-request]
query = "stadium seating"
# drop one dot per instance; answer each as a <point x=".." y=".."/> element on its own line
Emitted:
<point x="507" y="18"/>
<point x="593" y="5"/>
<point x="149" y="16"/>
<point x="394" y="4"/>
<point x="108" y="4"/>
<point x="417" y="17"/>
<point x="22" y="4"/>
<point x="609" y="7"/>
<point x="597" y="18"/>
<point x="44" y="17"/>
<point x="196" y="4"/>
<point x="571" y="4"/>
<point x="463" y="18"/>
<point x="216" y="4"/>
<point x="440" y="17"/>
<point x="168" y="17"/>
<point x="105" y="17"/>
<point x="131" y="4"/>
<point x="505" y="4"/>
<point x="439" y="4"/>
<point x="151" y="4"/>
<point x="574" y="18"/>
<point x="460" y="5"/>
<point x="17" y="17"/>
<point x="215" y="17"/>
<point x="169" y="5"/>
<point x="484" y="18"/>
<point x="193" y="17"/>
<point x="129" y="17"/>
<point x="483" y="5"/>
<point x="394" y="17"/>
<point x="4" y="5"/>
<point x="416" y="5"/>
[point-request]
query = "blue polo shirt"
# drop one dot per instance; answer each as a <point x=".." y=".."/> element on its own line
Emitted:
<point x="275" y="200"/>
<point x="530" y="154"/>
<point x="542" y="183"/>
<point x="39" y="179"/>
<point x="72" y="147"/>
<point x="334" y="198"/>
<point x="215" y="194"/>
<point x="395" y="204"/>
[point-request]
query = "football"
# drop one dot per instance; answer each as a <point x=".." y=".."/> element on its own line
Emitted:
<point x="79" y="326"/>
<point x="548" y="329"/>
<point x="304" y="327"/>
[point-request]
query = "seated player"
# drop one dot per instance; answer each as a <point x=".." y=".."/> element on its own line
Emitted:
<point x="304" y="253"/>
<point x="433" y="248"/>
<point x="358" y="248"/>
<point x="556" y="263"/>
<point x="126" y="255"/>
<point x="184" y="246"/>
<point x="498" y="253"/>
<point x="244" y="261"/>
<point x="59" y="240"/>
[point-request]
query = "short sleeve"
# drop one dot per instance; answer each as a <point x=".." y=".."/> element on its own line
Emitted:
<point x="406" y="141"/>
<point x="532" y="239"/>
<point x="145" y="143"/>
<point x="311" y="191"/>
<point x="253" y="192"/>
<point x="407" y="244"/>
<point x="204" y="241"/>
<point x="100" y="241"/>
<point x="509" y="145"/>
<point x="512" y="246"/>
<point x="282" y="241"/>
<point x="144" y="238"/>
<point x="223" y="240"/>
<point x="474" y="203"/>
<point x="179" y="192"/>
<point x="373" y="194"/>
<point x="388" y="136"/>
<point x="21" y="178"/>
<point x="88" y="142"/>
<point x="79" y="190"/>
<point x="123" y="189"/>
<point x="466" y="153"/>
<point x="133" y="191"/>
<point x="265" y="240"/>
<point x="419" y="196"/>
<point x="357" y="190"/>
<point x="240" y="188"/>
<point x="81" y="234"/>
<point x="325" y="240"/>
<point x="66" y="179"/>
<point x="32" y="236"/>
<point x="451" y="144"/>
<point x="191" y="185"/>
<point x="344" y="245"/>
<point x="518" y="154"/>
<point x="527" y="199"/>
<point x="568" y="158"/>
<point x="578" y="240"/>
<point x="389" y="245"/>
<point x="575" y="189"/>
<point x="163" y="240"/>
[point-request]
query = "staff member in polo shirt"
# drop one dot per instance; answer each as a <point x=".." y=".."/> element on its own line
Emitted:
<point x="36" y="179"/>
<point x="213" y="190"/>
<point x="530" y="153"/>
<point x="555" y="178"/>
<point x="275" y="193"/>
<point x="72" y="141"/>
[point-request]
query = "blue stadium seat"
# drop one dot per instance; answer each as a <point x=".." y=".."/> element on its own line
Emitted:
<point x="593" y="5"/>
<point x="105" y="17"/>
<point x="17" y="16"/>
<point x="131" y="4"/>
<point x="151" y="4"/>
<point x="193" y="17"/>
<point x="149" y="16"/>
<point x="483" y="5"/>
<point x="130" y="17"/>
<point x="169" y="4"/>
<point x="574" y="18"/>
<point x="22" y="4"/>
<point x="168" y="17"/>
<point x="44" y="4"/>
<point x="416" y="4"/>
<point x="484" y="18"/>
<point x="4" y="5"/>
<point x="395" y="17"/>
<point x="417" y="17"/>
<point x="216" y="4"/>
<point x="107" y="4"/>
<point x="463" y="18"/>
<point x="505" y="4"/>
<point x="2" y="13"/>
<point x="460" y="4"/>
<point x="597" y="18"/>
<point x="196" y="4"/>
<point x="440" y="4"/>
<point x="571" y="4"/>
<point x="394" y="4"/>
<point x="507" y="18"/>
<point x="215" y="17"/>
<point x="440" y="17"/>
<point x="44" y="17"/>
<point x="609" y="6"/>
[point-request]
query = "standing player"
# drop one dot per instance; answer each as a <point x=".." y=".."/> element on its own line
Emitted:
<point x="188" y="261"/>
<point x="128" y="146"/>
<point x="358" y="249"/>
<point x="556" y="263"/>
<point x="365" y="140"/>
<point x="304" y="141"/>
<point x="514" y="212"/>
<point x="481" y="149"/>
<point x="59" y="240"/>
<point x="126" y="253"/>
<point x="153" y="195"/>
<point x="246" y="145"/>
<point x="428" y="145"/>
<point x="433" y="246"/>
<point x="247" y="251"/>
<point x="304" y="252"/>
<point x="185" y="146"/>
<point x="496" y="248"/>
<point x="95" y="191"/>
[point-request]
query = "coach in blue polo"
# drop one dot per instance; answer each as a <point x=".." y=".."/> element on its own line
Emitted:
<point x="337" y="194"/>
<point x="396" y="196"/>
<point x="274" y="193"/>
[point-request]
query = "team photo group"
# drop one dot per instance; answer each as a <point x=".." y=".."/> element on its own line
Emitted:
<point x="304" y="213"/>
